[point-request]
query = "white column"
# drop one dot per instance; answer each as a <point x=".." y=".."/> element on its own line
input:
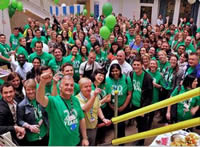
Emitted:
<point x="101" y="2"/>
<point x="5" y="24"/>
<point x="198" y="18"/>
<point x="154" y="12"/>
<point x="176" y="12"/>
<point x="92" y="6"/>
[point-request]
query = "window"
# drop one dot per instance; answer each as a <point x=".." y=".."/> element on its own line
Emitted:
<point x="147" y="1"/>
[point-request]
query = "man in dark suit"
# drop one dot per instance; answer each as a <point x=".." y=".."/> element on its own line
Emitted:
<point x="8" y="113"/>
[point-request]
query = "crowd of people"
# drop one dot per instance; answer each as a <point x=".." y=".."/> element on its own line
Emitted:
<point x="64" y="77"/>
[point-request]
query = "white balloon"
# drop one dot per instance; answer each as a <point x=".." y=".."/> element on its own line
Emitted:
<point x="191" y="1"/>
<point x="45" y="48"/>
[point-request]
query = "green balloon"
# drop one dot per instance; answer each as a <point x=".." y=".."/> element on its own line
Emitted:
<point x="111" y="21"/>
<point x="11" y="11"/>
<point x="19" y="6"/>
<point x="105" y="32"/>
<point x="14" y="3"/>
<point x="4" y="4"/>
<point x="85" y="12"/>
<point x="56" y="1"/>
<point x="107" y="9"/>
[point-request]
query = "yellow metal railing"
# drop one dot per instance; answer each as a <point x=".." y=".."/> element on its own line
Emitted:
<point x="153" y="107"/>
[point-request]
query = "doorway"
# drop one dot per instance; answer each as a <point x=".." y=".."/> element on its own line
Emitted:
<point x="147" y="10"/>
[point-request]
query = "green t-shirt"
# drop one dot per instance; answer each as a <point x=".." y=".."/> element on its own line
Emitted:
<point x="168" y="77"/>
<point x="1" y="83"/>
<point x="22" y="50"/>
<point x="14" y="40"/>
<point x="162" y="67"/>
<point x="4" y="49"/>
<point x="48" y="88"/>
<point x="189" y="71"/>
<point x="89" y="46"/>
<point x="145" y="22"/>
<point x="105" y="90"/>
<point x="122" y="85"/>
<point x="130" y="38"/>
<point x="56" y="65"/>
<point x="198" y="44"/>
<point x="76" y="64"/>
<point x="137" y="89"/>
<point x="27" y="26"/>
<point x="43" y="128"/>
<point x="171" y="40"/>
<point x="71" y="41"/>
<point x="157" y="78"/>
<point x="101" y="58"/>
<point x="35" y="39"/>
<point x="63" y="128"/>
<point x="187" y="104"/>
<point x="45" y="58"/>
<point x="190" y="49"/>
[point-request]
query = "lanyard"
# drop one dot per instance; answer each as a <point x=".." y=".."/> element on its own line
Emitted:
<point x="36" y="110"/>
<point x="70" y="110"/>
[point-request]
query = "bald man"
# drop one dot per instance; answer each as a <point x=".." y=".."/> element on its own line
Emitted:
<point x="125" y="66"/>
<point x="91" y="106"/>
<point x="64" y="112"/>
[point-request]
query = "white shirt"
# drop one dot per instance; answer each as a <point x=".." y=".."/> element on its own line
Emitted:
<point x="22" y="71"/>
<point x="88" y="67"/>
<point x="126" y="67"/>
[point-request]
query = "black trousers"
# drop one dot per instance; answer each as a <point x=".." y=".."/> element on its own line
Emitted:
<point x="143" y="124"/>
<point x="164" y="94"/>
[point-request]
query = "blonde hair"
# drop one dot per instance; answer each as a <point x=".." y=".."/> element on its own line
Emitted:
<point x="146" y="55"/>
<point x="84" y="80"/>
<point x="30" y="83"/>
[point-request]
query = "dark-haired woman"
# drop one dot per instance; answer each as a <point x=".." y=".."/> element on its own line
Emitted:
<point x="60" y="44"/>
<point x="29" y="37"/>
<point x="122" y="84"/>
<point x="15" y="79"/>
<point x="104" y="97"/>
<point x="34" y="73"/>
<point x="99" y="82"/>
<point x="171" y="80"/>
<point x="84" y="53"/>
<point x="187" y="109"/>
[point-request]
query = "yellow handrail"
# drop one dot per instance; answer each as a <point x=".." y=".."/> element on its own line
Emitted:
<point x="156" y="106"/>
<point x="181" y="125"/>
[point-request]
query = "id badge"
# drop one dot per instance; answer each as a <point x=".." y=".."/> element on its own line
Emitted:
<point x="73" y="126"/>
<point x="186" y="107"/>
<point x="92" y="119"/>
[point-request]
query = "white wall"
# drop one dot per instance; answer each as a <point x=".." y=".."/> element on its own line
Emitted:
<point x="176" y="12"/>
<point x="130" y="8"/>
<point x="101" y="2"/>
<point x="38" y="7"/>
<point x="5" y="27"/>
<point x="198" y="18"/>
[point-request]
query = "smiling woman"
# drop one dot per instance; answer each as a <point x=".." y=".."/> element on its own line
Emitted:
<point x="121" y="83"/>
<point x="15" y="79"/>
<point x="35" y="121"/>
